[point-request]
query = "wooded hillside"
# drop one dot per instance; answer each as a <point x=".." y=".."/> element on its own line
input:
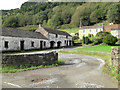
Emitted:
<point x="62" y="15"/>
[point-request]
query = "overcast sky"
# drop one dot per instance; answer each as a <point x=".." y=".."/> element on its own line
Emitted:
<point x="11" y="4"/>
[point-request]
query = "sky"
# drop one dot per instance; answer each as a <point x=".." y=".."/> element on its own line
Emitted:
<point x="11" y="4"/>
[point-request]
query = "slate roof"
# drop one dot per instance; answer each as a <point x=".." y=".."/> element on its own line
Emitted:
<point x="116" y="28"/>
<point x="57" y="32"/>
<point x="21" y="33"/>
<point x="91" y="27"/>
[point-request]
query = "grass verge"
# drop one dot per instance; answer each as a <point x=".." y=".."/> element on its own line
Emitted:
<point x="100" y="48"/>
<point x="107" y="68"/>
<point x="13" y="69"/>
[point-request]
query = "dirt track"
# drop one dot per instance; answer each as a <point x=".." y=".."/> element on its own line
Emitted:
<point x="79" y="72"/>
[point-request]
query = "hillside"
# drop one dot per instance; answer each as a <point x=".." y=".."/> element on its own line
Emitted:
<point x="58" y="15"/>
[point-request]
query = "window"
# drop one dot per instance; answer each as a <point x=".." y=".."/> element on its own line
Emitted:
<point x="117" y="35"/>
<point x="6" y="44"/>
<point x="83" y="31"/>
<point x="32" y="44"/>
<point x="44" y="43"/>
<point x="96" y="30"/>
<point x="56" y="35"/>
<point x="90" y="30"/>
<point x="66" y="36"/>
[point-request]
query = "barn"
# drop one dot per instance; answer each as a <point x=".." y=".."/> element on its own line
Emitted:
<point x="18" y="40"/>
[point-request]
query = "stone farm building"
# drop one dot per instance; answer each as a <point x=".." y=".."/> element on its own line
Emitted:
<point x="42" y="38"/>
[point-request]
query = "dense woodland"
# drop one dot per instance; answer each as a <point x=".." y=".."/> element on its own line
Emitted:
<point x="62" y="15"/>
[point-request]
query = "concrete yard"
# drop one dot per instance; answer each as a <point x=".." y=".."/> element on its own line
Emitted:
<point x="79" y="72"/>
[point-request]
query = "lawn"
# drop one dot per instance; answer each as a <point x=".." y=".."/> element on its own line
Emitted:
<point x="34" y="27"/>
<point x="100" y="48"/>
<point x="72" y="30"/>
<point x="29" y="27"/>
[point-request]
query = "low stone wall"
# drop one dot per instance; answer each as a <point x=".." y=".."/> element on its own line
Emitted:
<point x="115" y="57"/>
<point x="30" y="59"/>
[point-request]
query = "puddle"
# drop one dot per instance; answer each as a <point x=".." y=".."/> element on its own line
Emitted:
<point x="38" y="80"/>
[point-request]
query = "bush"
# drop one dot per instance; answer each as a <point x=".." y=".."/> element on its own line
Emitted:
<point x="102" y="34"/>
<point x="60" y="62"/>
<point x="75" y="38"/>
<point x="97" y="41"/>
<point x="87" y="41"/>
<point x="110" y="40"/>
<point x="83" y="40"/>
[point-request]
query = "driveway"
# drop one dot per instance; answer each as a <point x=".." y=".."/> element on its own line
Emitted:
<point x="79" y="72"/>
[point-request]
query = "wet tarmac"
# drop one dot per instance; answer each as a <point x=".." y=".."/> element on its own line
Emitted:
<point x="79" y="72"/>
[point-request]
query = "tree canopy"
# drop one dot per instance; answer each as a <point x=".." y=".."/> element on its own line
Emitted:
<point x="62" y="15"/>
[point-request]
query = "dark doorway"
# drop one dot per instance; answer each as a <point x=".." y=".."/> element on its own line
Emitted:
<point x="70" y="43"/>
<point x="41" y="45"/>
<point x="52" y="44"/>
<point x="67" y="42"/>
<point x="22" y="45"/>
<point x="58" y="44"/>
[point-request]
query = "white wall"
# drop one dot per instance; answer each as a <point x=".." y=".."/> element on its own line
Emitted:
<point x="116" y="33"/>
<point x="62" y="38"/>
<point x="14" y="43"/>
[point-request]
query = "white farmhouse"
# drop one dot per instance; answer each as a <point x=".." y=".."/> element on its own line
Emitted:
<point x="116" y="32"/>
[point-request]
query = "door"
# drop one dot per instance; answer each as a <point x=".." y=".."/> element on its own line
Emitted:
<point x="21" y="45"/>
<point x="41" y="45"/>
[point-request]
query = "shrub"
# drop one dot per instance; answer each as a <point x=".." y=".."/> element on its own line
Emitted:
<point x="83" y="40"/>
<point x="87" y="41"/>
<point x="97" y="41"/>
<point x="102" y="34"/>
<point x="75" y="37"/>
<point x="61" y="62"/>
<point x="90" y="35"/>
<point x="110" y="40"/>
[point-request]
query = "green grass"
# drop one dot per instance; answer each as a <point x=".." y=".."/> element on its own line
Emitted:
<point x="107" y="68"/>
<point x="34" y="27"/>
<point x="105" y="57"/>
<point x="13" y="69"/>
<point x="100" y="48"/>
<point x="72" y="30"/>
<point x="29" y="27"/>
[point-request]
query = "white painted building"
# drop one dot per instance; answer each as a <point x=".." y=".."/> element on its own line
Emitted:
<point x="17" y="40"/>
<point x="116" y="32"/>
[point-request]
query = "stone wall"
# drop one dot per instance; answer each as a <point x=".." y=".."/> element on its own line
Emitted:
<point x="14" y="43"/>
<point x="115" y="57"/>
<point x="61" y="38"/>
<point x="30" y="59"/>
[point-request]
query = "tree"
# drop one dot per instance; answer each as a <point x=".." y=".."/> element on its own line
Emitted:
<point x="113" y="14"/>
<point x="11" y="21"/>
<point x="94" y="17"/>
<point x="110" y="40"/>
<point x="102" y="34"/>
<point x="21" y="20"/>
<point x="56" y="21"/>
